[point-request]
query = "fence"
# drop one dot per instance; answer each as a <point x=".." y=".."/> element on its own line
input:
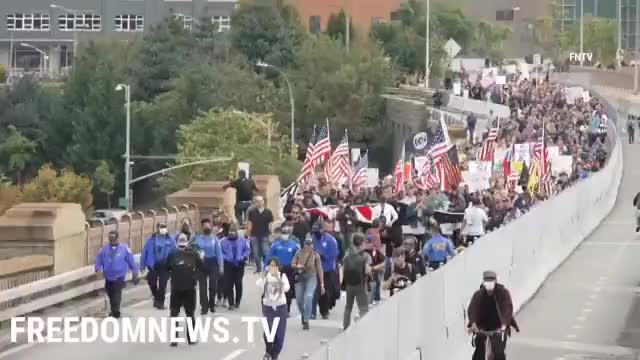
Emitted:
<point x="138" y="227"/>
<point x="428" y="320"/>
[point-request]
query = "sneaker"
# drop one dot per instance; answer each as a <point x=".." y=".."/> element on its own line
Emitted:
<point x="305" y="325"/>
<point x="173" y="344"/>
<point x="212" y="309"/>
<point x="266" y="357"/>
<point x="204" y="312"/>
<point x="231" y="308"/>
<point x="637" y="228"/>
<point x="325" y="317"/>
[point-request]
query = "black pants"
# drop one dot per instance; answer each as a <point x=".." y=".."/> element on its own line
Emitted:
<point x="157" y="279"/>
<point x="114" y="292"/>
<point x="183" y="299"/>
<point x="325" y="301"/>
<point x="210" y="278"/>
<point x="498" y="344"/>
<point x="290" y="295"/>
<point x="233" y="275"/>
<point x="631" y="137"/>
<point x="435" y="265"/>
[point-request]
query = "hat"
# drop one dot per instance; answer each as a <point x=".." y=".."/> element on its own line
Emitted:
<point x="162" y="224"/>
<point x="489" y="275"/>
<point x="182" y="240"/>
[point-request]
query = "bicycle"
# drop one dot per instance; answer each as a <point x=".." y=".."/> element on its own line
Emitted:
<point x="488" y="344"/>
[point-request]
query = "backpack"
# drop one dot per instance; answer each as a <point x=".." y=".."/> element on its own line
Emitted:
<point x="354" y="269"/>
<point x="185" y="262"/>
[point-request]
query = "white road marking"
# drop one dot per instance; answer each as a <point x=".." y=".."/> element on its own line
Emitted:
<point x="571" y="336"/>
<point x="593" y="296"/>
<point x="581" y="318"/>
<point x="577" y="326"/>
<point x="234" y="354"/>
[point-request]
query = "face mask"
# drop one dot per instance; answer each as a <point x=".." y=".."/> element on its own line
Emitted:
<point x="233" y="235"/>
<point x="489" y="285"/>
<point x="163" y="231"/>
<point x="284" y="236"/>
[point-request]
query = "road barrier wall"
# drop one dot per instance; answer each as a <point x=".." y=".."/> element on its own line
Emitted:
<point x="428" y="320"/>
<point x="478" y="106"/>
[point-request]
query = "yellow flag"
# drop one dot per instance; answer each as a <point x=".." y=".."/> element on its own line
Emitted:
<point x="534" y="179"/>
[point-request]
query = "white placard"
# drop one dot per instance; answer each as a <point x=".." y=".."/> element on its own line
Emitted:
<point x="553" y="151"/>
<point x="501" y="80"/>
<point x="498" y="158"/>
<point x="420" y="162"/>
<point x="537" y="59"/>
<point x="355" y="155"/>
<point x="373" y="177"/>
<point x="586" y="96"/>
<point x="561" y="164"/>
<point x="510" y="69"/>
<point x="521" y="152"/>
<point x="479" y="175"/>
<point x="573" y="93"/>
<point x="457" y="87"/>
<point x="244" y="166"/>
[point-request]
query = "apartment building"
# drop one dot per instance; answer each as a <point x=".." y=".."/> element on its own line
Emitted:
<point x="316" y="13"/>
<point x="38" y="35"/>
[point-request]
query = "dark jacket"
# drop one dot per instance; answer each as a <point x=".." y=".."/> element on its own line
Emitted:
<point x="503" y="303"/>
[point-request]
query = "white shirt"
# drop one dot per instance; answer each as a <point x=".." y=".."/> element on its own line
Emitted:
<point x="274" y="290"/>
<point x="388" y="212"/>
<point x="475" y="218"/>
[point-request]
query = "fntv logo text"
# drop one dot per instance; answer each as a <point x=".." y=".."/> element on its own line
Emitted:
<point x="575" y="56"/>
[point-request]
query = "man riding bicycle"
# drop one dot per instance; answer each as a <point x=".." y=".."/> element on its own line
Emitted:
<point x="491" y="312"/>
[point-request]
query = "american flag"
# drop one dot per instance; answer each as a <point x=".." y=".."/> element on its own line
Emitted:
<point x="541" y="161"/>
<point x="308" y="166"/>
<point x="450" y="169"/>
<point x="360" y="171"/>
<point x="338" y="167"/>
<point x="398" y="172"/>
<point x="428" y="177"/>
<point x="438" y="143"/>
<point x="322" y="147"/>
<point x="488" y="146"/>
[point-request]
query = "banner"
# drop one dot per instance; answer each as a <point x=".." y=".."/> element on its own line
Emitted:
<point x="372" y="177"/>
<point x="561" y="164"/>
<point x="573" y="93"/>
<point x="479" y="175"/>
<point x="498" y="159"/>
<point x="522" y="153"/>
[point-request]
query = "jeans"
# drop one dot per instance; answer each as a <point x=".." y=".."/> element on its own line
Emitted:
<point x="358" y="293"/>
<point x="259" y="249"/>
<point x="305" y="289"/>
<point x="114" y="292"/>
<point x="274" y="348"/>
<point x="377" y="287"/>
<point x="241" y="211"/>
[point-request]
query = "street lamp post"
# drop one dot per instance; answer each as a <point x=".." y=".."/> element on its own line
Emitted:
<point x="44" y="55"/>
<point x="75" y="30"/>
<point x="291" y="101"/>
<point x="581" y="30"/>
<point x="127" y="154"/>
<point x="427" y="36"/>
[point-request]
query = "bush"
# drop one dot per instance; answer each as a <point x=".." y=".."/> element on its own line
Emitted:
<point x="64" y="186"/>
<point x="10" y="195"/>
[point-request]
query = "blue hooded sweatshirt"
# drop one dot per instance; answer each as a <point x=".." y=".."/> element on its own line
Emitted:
<point x="437" y="249"/>
<point x="115" y="262"/>
<point x="156" y="250"/>
<point x="327" y="247"/>
<point x="211" y="247"/>
<point x="284" y="250"/>
<point x="235" y="251"/>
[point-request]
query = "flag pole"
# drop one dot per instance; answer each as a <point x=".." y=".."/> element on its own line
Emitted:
<point x="542" y="161"/>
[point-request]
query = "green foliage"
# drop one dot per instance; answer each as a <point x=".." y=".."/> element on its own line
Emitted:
<point x="104" y="181"/>
<point x="225" y="132"/>
<point x="343" y="87"/>
<point x="267" y="30"/>
<point x="599" y="39"/>
<point x="337" y="25"/>
<point x="17" y="151"/>
<point x="489" y="40"/>
<point x="3" y="74"/>
<point x="64" y="186"/>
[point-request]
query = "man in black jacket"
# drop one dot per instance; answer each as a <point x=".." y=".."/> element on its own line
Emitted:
<point x="184" y="267"/>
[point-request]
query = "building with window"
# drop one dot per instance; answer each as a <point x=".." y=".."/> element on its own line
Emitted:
<point x="39" y="35"/>
<point x="315" y="13"/>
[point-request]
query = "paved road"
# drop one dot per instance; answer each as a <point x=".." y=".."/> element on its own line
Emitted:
<point x="297" y="342"/>
<point x="590" y="307"/>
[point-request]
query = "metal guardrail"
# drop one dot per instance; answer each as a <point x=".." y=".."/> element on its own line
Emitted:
<point x="41" y="294"/>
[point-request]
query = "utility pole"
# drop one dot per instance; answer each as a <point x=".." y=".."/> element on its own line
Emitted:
<point x="427" y="45"/>
<point x="581" y="31"/>
<point x="347" y="30"/>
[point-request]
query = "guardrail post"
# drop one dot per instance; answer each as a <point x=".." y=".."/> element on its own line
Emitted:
<point x="130" y="221"/>
<point x="87" y="228"/>
<point x="141" y="231"/>
<point x="197" y="209"/>
<point x="186" y="212"/>
<point x="153" y="213"/>
<point x="175" y="208"/>
<point x="166" y="216"/>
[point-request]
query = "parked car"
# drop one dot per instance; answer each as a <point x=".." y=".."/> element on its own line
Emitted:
<point x="108" y="216"/>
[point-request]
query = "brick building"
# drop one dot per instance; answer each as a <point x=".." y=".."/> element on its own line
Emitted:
<point x="315" y="13"/>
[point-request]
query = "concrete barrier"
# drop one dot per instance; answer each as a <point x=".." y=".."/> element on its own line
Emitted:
<point x="478" y="106"/>
<point x="428" y="320"/>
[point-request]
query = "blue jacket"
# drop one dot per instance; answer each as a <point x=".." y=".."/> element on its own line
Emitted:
<point x="115" y="263"/>
<point x="156" y="250"/>
<point x="284" y="250"/>
<point x="327" y="247"/>
<point x="212" y="249"/>
<point x="437" y="249"/>
<point x="236" y="251"/>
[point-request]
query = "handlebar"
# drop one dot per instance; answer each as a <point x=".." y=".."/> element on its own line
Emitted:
<point x="489" y="333"/>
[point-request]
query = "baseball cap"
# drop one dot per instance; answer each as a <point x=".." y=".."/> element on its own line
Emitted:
<point x="182" y="240"/>
<point x="489" y="275"/>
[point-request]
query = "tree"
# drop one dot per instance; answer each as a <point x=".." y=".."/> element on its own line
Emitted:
<point x="18" y="151"/>
<point x="267" y="30"/>
<point x="599" y="36"/>
<point x="104" y="181"/>
<point x="337" y="25"/>
<point x="225" y="132"/>
<point x="489" y="41"/>
<point x="344" y="87"/>
<point x="64" y="186"/>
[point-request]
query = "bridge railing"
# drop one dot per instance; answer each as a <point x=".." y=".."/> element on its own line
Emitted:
<point x="26" y="298"/>
<point x="428" y="320"/>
